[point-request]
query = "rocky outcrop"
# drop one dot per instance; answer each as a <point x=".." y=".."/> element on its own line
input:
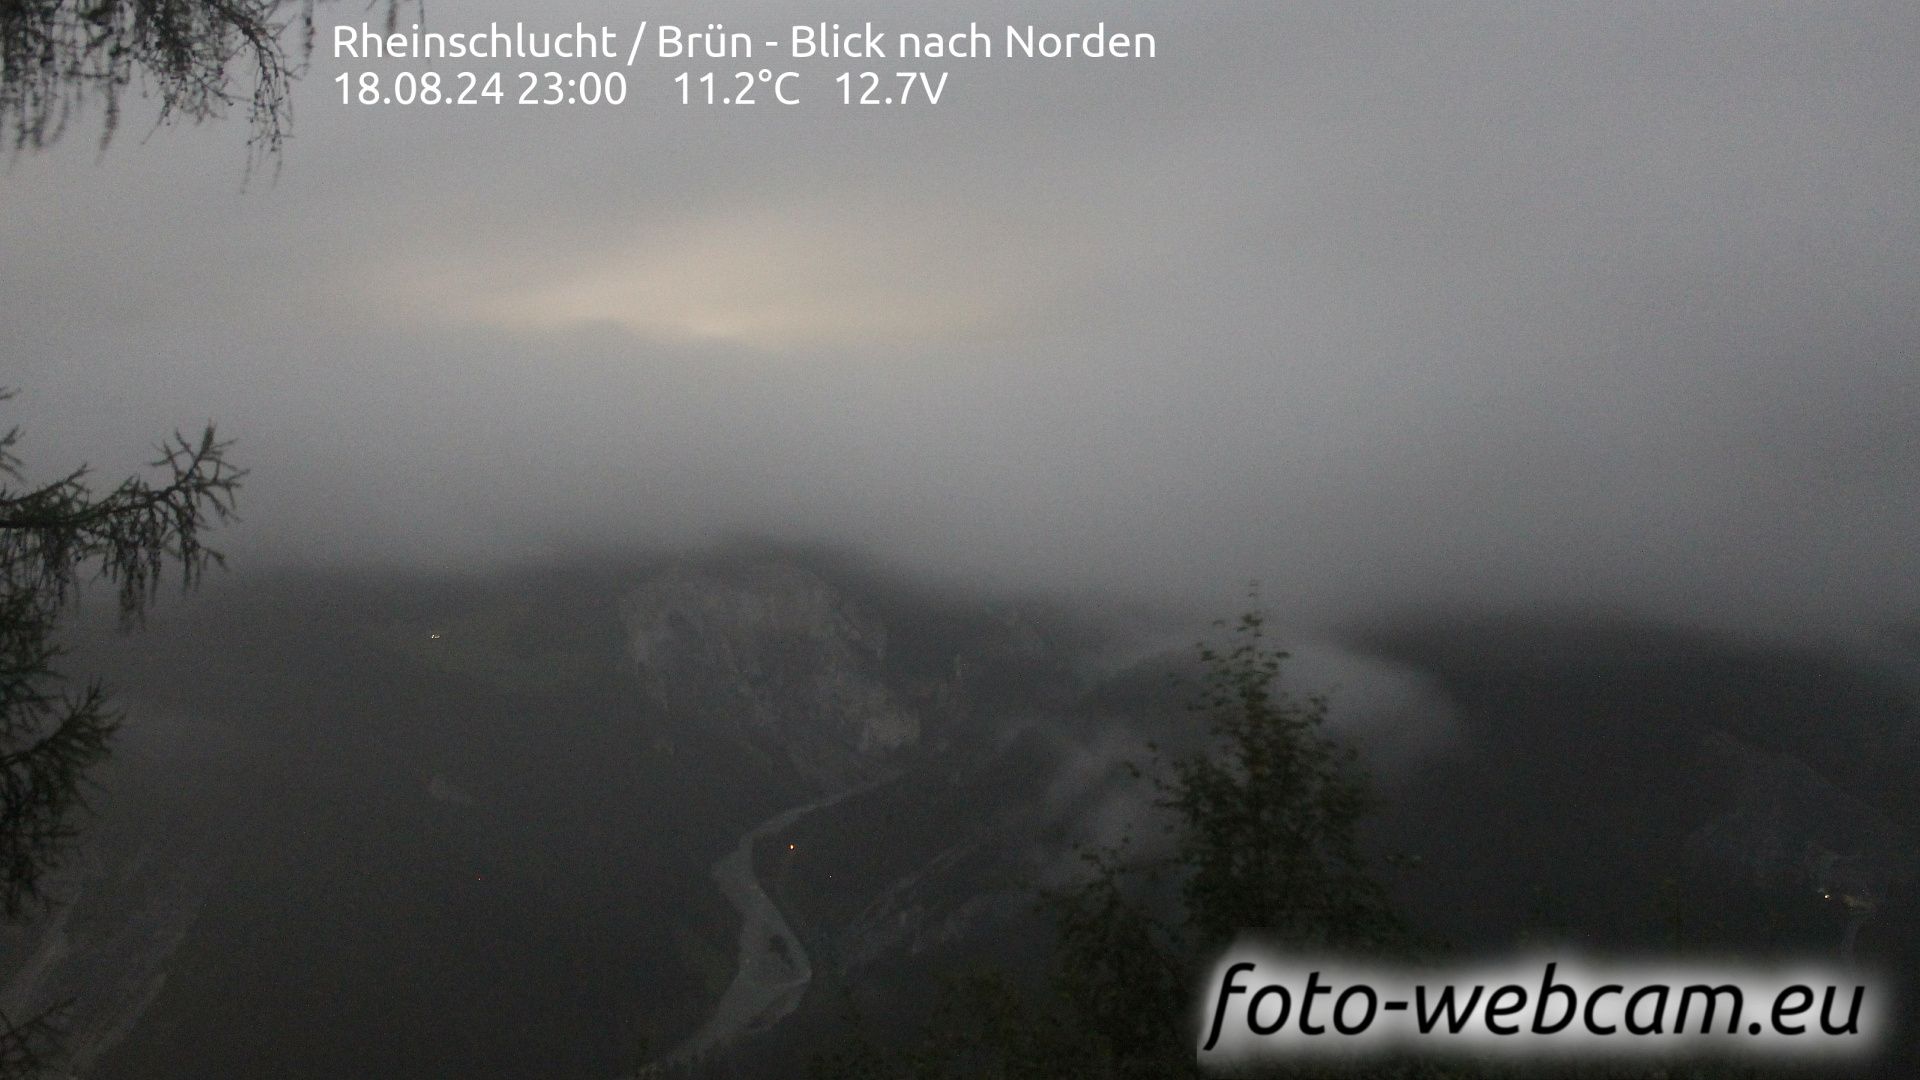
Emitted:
<point x="772" y="655"/>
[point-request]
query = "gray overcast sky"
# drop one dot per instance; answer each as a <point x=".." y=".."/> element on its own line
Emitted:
<point x="1381" y="304"/>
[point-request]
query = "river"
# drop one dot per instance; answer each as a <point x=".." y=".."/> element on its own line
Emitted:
<point x="772" y="971"/>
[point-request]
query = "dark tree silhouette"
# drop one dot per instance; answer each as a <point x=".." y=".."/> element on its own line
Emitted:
<point x="54" y="539"/>
<point x="56" y="55"/>
<point x="196" y="57"/>
<point x="1268" y="824"/>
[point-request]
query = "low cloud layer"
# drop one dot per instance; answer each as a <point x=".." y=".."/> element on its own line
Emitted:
<point x="1387" y="306"/>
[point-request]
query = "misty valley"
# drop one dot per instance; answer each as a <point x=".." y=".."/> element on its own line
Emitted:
<point x="699" y="813"/>
<point x="1320" y="540"/>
